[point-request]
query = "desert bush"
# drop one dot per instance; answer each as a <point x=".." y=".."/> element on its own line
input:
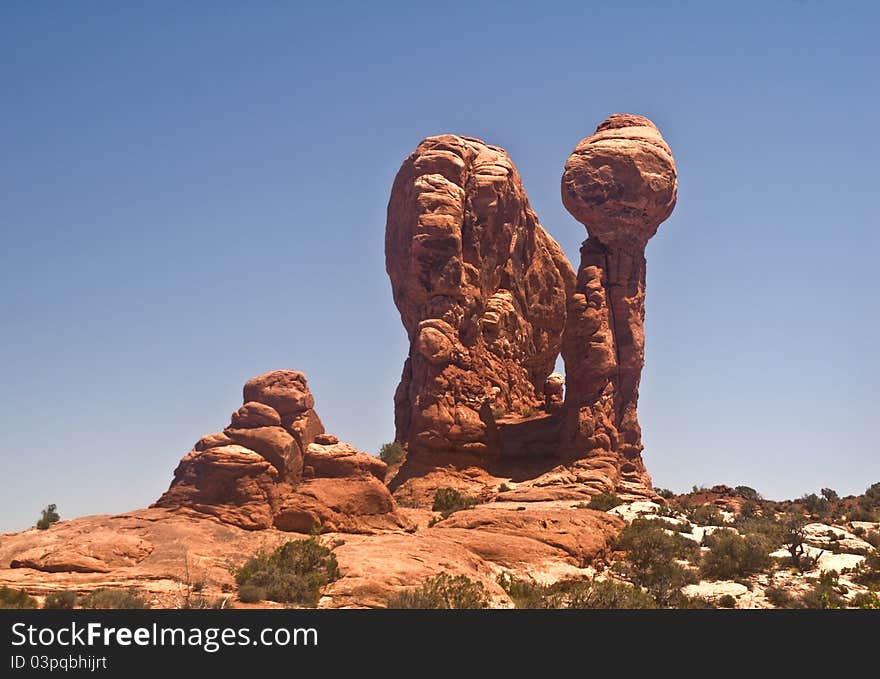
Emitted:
<point x="727" y="601"/>
<point x="815" y="505"/>
<point x="607" y="594"/>
<point x="665" y="493"/>
<point x="48" y="516"/>
<point x="872" y="495"/>
<point x="604" y="501"/>
<point x="779" y="596"/>
<point x="749" y="493"/>
<point x="294" y="573"/>
<point x="830" y="494"/>
<point x="867" y="600"/>
<point x="503" y="488"/>
<point x="794" y="540"/>
<point x="766" y="526"/>
<point x="859" y="532"/>
<point x="706" y="515"/>
<point x="449" y="500"/>
<point x="109" y="598"/>
<point x="251" y="594"/>
<point x="748" y="509"/>
<point x="528" y="412"/>
<point x="825" y="593"/>
<point x="650" y="560"/>
<point x="862" y="514"/>
<point x="581" y="594"/>
<point x="202" y="603"/>
<point x="60" y="600"/>
<point x="391" y="453"/>
<point x="868" y="572"/>
<point x="497" y="413"/>
<point x="873" y="539"/>
<point x="730" y="555"/>
<point x="441" y="592"/>
<point x="16" y="598"/>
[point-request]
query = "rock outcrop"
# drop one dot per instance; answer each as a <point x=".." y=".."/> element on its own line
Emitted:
<point x="275" y="466"/>
<point x="621" y="184"/>
<point x="488" y="301"/>
<point x="481" y="289"/>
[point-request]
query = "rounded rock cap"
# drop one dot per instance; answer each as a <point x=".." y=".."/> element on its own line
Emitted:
<point x="621" y="181"/>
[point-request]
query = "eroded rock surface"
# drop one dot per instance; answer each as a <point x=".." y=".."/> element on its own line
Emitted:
<point x="275" y="466"/>
<point x="481" y="289"/>
<point x="621" y="183"/>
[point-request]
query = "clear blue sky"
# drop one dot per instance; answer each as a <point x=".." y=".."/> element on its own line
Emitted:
<point x="195" y="193"/>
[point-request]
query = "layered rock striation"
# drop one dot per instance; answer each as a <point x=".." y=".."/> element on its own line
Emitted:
<point x="481" y="289"/>
<point x="275" y="466"/>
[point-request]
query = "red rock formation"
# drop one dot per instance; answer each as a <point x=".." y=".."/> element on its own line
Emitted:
<point x="481" y="290"/>
<point x="274" y="465"/>
<point x="621" y="184"/>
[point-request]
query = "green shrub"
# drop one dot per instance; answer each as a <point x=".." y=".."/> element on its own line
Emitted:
<point x="593" y="594"/>
<point x="749" y="493"/>
<point x="604" y="501"/>
<point x="825" y="593"/>
<point x="767" y="526"/>
<point x="528" y="412"/>
<point x="665" y="493"/>
<point x="391" y="453"/>
<point x="706" y="515"/>
<point x="251" y="594"/>
<point x="794" y="539"/>
<point x="294" y="573"/>
<point x="62" y="600"/>
<point x="779" y="596"/>
<point x="607" y="594"/>
<point x="815" y="505"/>
<point x="48" y="516"/>
<point x="16" y="598"/>
<point x="109" y="598"/>
<point x="503" y="488"/>
<point x="449" y="500"/>
<point x="830" y="494"/>
<point x="862" y="514"/>
<point x="868" y="600"/>
<point x="872" y="495"/>
<point x="497" y="413"/>
<point x="727" y="601"/>
<point x="650" y="560"/>
<point x="202" y="603"/>
<point x="868" y="572"/>
<point x="873" y="539"/>
<point x="443" y="591"/>
<point x="859" y="532"/>
<point x="730" y="555"/>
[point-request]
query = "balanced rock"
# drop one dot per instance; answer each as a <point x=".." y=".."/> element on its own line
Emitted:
<point x="481" y="289"/>
<point x="621" y="183"/>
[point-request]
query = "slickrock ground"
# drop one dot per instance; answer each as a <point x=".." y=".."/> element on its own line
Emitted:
<point x="168" y="555"/>
<point x="164" y="552"/>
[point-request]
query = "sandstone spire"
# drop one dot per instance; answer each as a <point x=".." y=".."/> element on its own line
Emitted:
<point x="481" y="290"/>
<point x="620" y="182"/>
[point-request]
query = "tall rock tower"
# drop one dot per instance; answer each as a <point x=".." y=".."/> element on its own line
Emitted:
<point x="620" y="183"/>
